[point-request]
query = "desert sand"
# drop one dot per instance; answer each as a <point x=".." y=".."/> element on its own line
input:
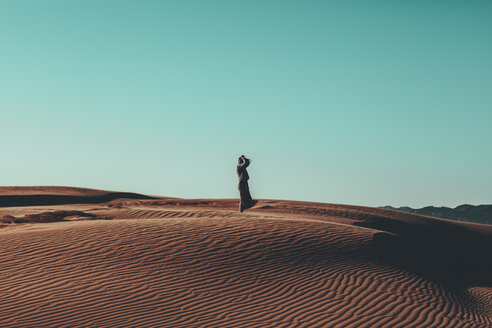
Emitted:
<point x="73" y="257"/>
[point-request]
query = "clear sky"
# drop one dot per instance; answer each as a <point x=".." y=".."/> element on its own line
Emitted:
<point x="355" y="102"/>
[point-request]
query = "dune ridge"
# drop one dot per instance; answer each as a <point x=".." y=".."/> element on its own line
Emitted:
<point x="199" y="263"/>
<point x="36" y="196"/>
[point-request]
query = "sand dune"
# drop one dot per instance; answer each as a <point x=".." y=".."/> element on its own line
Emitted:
<point x="35" y="196"/>
<point x="136" y="261"/>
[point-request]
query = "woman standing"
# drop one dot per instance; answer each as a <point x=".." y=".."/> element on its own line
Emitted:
<point x="242" y="173"/>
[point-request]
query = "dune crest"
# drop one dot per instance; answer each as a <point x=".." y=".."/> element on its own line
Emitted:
<point x="163" y="262"/>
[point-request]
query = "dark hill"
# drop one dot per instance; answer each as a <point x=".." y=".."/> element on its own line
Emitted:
<point x="468" y="213"/>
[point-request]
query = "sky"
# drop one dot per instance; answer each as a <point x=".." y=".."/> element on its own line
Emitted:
<point x="353" y="102"/>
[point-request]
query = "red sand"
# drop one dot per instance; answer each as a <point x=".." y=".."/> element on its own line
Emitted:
<point x="167" y="262"/>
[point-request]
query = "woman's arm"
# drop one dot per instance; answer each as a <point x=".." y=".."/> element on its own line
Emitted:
<point x="245" y="162"/>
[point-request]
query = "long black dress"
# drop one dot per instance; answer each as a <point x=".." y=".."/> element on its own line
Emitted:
<point x="242" y="173"/>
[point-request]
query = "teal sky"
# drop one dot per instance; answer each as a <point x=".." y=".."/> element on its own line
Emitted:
<point x="355" y="102"/>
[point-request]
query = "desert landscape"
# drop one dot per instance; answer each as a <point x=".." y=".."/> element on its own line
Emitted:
<point x="74" y="257"/>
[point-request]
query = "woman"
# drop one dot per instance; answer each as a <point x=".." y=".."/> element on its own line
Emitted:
<point x="242" y="173"/>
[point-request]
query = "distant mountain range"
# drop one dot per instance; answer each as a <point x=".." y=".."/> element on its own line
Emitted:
<point x="469" y="213"/>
